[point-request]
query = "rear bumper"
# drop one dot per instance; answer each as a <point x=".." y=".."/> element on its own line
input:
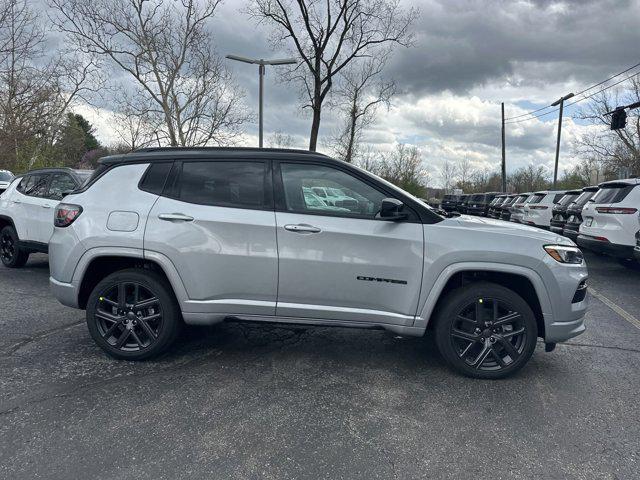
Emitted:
<point x="613" y="249"/>
<point x="65" y="293"/>
<point x="480" y="211"/>
<point x="557" y="226"/>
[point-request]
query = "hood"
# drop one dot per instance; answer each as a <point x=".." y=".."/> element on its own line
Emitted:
<point x="490" y="225"/>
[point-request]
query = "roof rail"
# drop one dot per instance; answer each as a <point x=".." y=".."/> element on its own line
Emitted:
<point x="247" y="149"/>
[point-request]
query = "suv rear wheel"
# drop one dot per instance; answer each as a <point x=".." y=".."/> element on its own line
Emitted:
<point x="132" y="314"/>
<point x="484" y="330"/>
<point x="10" y="252"/>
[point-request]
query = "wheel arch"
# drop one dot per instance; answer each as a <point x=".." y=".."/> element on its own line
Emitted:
<point x="101" y="264"/>
<point x="6" y="221"/>
<point x="523" y="281"/>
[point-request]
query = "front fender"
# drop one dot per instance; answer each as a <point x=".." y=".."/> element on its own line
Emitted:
<point x="426" y="308"/>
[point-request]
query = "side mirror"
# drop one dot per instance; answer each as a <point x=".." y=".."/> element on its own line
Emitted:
<point x="391" y="209"/>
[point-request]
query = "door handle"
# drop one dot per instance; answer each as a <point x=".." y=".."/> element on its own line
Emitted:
<point x="175" y="217"/>
<point x="302" y="228"/>
<point x="16" y="201"/>
<point x="46" y="206"/>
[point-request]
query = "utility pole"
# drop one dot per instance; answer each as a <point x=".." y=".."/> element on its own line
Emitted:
<point x="504" y="160"/>
<point x="560" y="102"/>
<point x="261" y="71"/>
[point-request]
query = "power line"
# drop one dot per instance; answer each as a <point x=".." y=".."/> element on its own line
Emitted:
<point x="580" y="99"/>
<point x="579" y="93"/>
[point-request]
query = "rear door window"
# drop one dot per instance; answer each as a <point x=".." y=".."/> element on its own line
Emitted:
<point x="34" y="185"/>
<point x="584" y="197"/>
<point x="224" y="184"/>
<point x="612" y="193"/>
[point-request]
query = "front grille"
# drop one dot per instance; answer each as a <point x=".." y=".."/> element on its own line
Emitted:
<point x="581" y="292"/>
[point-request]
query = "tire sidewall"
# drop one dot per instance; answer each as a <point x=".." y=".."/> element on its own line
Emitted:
<point x="19" y="257"/>
<point x="171" y="320"/>
<point x="460" y="298"/>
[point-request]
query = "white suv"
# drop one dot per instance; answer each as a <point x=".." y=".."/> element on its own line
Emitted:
<point x="26" y="211"/>
<point x="610" y="218"/>
<point x="5" y="179"/>
<point x="162" y="236"/>
<point x="539" y="207"/>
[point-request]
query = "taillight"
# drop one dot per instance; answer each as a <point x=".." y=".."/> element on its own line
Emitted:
<point x="538" y="207"/>
<point x="66" y="214"/>
<point x="620" y="210"/>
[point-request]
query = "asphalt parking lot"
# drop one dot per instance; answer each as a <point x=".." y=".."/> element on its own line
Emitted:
<point x="249" y="401"/>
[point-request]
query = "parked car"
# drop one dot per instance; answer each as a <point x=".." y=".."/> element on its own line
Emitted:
<point x="505" y="212"/>
<point x="479" y="203"/>
<point x="5" y="179"/>
<point x="636" y="250"/>
<point x="611" y="218"/>
<point x="494" y="209"/>
<point x="537" y="211"/>
<point x="517" y="207"/>
<point x="160" y="236"/>
<point x="464" y="202"/>
<point x="574" y="212"/>
<point x="559" y="211"/>
<point x="26" y="211"/>
<point x="450" y="203"/>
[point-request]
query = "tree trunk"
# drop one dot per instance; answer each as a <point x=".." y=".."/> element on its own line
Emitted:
<point x="315" y="128"/>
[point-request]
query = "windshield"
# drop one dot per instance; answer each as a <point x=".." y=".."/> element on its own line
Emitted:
<point x="5" y="176"/>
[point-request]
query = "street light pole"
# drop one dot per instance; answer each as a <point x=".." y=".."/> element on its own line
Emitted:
<point x="560" y="102"/>
<point x="261" y="72"/>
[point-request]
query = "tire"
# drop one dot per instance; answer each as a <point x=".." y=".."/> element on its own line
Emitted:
<point x="12" y="255"/>
<point x="109" y="318"/>
<point x="506" y="333"/>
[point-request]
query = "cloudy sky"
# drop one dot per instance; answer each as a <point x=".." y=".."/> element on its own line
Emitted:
<point x="468" y="57"/>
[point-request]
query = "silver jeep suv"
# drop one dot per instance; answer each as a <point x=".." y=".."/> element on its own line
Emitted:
<point x="162" y="237"/>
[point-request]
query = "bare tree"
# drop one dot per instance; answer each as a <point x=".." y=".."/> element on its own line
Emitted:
<point x="35" y="94"/>
<point x="359" y="92"/>
<point x="404" y="168"/>
<point x="327" y="35"/>
<point x="279" y="139"/>
<point x="528" y="179"/>
<point x="448" y="173"/>
<point x="613" y="149"/>
<point x="165" y="48"/>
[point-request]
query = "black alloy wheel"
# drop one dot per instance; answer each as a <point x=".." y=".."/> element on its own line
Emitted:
<point x="11" y="254"/>
<point x="487" y="335"/>
<point x="133" y="314"/>
<point x="128" y="316"/>
<point x="485" y="330"/>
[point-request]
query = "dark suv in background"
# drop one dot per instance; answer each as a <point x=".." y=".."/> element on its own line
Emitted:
<point x="574" y="212"/>
<point x="505" y="212"/>
<point x="559" y="211"/>
<point x="479" y="203"/>
<point x="450" y="203"/>
<point x="494" y="208"/>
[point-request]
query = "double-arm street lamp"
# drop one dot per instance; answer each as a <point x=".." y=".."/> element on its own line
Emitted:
<point x="560" y="102"/>
<point x="261" y="70"/>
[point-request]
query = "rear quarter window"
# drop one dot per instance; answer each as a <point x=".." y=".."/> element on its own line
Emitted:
<point x="537" y="198"/>
<point x="155" y="177"/>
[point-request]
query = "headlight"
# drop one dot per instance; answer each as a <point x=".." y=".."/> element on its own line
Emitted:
<point x="565" y="254"/>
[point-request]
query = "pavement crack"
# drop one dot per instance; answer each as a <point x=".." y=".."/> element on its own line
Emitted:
<point x="38" y="336"/>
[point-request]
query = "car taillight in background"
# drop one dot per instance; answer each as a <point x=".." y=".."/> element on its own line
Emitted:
<point x="619" y="210"/>
<point x="66" y="214"/>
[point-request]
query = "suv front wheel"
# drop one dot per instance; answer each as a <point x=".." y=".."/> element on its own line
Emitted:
<point x="485" y="330"/>
<point x="133" y="315"/>
<point x="10" y="252"/>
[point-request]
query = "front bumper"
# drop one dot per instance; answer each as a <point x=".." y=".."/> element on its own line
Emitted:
<point x="65" y="293"/>
<point x="613" y="249"/>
